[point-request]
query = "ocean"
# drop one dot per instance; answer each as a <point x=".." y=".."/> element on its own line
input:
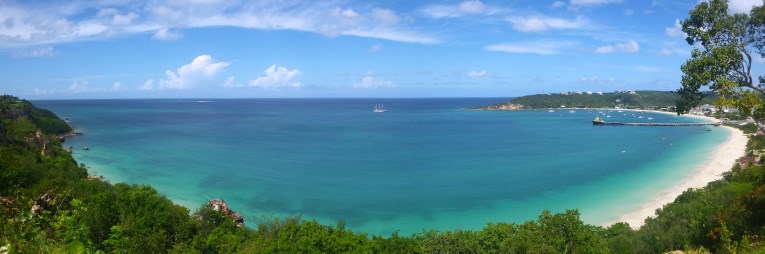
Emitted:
<point x="423" y="164"/>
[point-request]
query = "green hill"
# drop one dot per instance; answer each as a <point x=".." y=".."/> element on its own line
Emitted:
<point x="630" y="100"/>
<point x="12" y="108"/>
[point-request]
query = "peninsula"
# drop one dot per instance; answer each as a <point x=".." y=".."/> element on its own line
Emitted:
<point x="655" y="100"/>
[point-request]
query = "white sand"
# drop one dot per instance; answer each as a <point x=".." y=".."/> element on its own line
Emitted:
<point x="719" y="161"/>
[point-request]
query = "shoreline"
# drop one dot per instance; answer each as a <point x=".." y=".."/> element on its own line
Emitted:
<point x="720" y="160"/>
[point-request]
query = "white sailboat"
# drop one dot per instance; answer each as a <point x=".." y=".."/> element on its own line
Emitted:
<point x="378" y="108"/>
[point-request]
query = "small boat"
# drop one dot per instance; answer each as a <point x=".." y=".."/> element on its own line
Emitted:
<point x="86" y="148"/>
<point x="551" y="111"/>
<point x="378" y="108"/>
<point x="598" y="121"/>
<point x="572" y="111"/>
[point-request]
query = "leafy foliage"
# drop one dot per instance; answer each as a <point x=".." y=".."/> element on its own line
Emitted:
<point x="724" y="63"/>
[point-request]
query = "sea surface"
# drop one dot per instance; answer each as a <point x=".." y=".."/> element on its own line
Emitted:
<point x="423" y="164"/>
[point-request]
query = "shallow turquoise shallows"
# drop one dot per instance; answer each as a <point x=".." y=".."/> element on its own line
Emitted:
<point x="422" y="164"/>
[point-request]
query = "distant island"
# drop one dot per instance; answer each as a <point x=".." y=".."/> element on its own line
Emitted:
<point x="655" y="100"/>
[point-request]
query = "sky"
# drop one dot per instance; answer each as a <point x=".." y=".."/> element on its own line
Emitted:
<point x="316" y="49"/>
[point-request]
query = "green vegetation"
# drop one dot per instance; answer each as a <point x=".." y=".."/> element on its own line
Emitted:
<point x="48" y="204"/>
<point x="724" y="62"/>
<point x="11" y="108"/>
<point x="635" y="100"/>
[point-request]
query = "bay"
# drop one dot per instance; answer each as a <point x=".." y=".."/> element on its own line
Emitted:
<point x="422" y="164"/>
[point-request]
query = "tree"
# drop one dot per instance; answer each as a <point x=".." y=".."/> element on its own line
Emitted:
<point x="723" y="59"/>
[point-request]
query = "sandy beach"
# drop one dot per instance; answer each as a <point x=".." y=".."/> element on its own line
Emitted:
<point x="719" y="161"/>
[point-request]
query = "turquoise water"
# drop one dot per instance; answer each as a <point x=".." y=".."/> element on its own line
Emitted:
<point x="425" y="163"/>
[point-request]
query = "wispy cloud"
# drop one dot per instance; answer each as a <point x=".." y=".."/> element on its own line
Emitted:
<point x="541" y="23"/>
<point x="369" y="81"/>
<point x="478" y="74"/>
<point x="628" y="47"/>
<point x="36" y="52"/>
<point x="742" y="6"/>
<point x="147" y="86"/>
<point x="82" y="86"/>
<point x="165" y="34"/>
<point x="675" y="31"/>
<point x="376" y="48"/>
<point x="468" y="7"/>
<point x="28" y="24"/>
<point x="534" y="47"/>
<point x="557" y="4"/>
<point x="593" y="2"/>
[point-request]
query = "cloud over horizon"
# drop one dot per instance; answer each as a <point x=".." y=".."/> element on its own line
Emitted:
<point x="201" y="69"/>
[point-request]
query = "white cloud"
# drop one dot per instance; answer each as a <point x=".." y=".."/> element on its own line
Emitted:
<point x="80" y="87"/>
<point x="467" y="7"/>
<point x="376" y="48"/>
<point x="275" y="77"/>
<point x="742" y="6"/>
<point x="370" y="82"/>
<point x="675" y="31"/>
<point x="665" y="52"/>
<point x="629" y="47"/>
<point x="231" y="82"/>
<point x="542" y="23"/>
<point x="535" y="47"/>
<point x="646" y="68"/>
<point x="471" y="7"/>
<point x="118" y="86"/>
<point x="116" y="17"/>
<point x="478" y="74"/>
<point x="147" y="86"/>
<point x="201" y="69"/>
<point x="557" y="4"/>
<point x="628" y="12"/>
<point x="593" y="2"/>
<point x="385" y="15"/>
<point x="39" y="91"/>
<point x="166" y="35"/>
<point x="25" y="24"/>
<point x="392" y="35"/>
<point x="83" y="86"/>
<point x="37" y="52"/>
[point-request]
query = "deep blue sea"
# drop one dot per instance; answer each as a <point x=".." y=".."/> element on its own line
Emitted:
<point x="423" y="164"/>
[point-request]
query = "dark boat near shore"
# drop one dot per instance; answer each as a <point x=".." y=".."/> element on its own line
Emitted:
<point x="598" y="121"/>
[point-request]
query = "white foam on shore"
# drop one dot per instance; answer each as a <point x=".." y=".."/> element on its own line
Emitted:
<point x="720" y="160"/>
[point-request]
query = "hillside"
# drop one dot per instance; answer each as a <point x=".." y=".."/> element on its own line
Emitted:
<point x="12" y="108"/>
<point x="632" y="100"/>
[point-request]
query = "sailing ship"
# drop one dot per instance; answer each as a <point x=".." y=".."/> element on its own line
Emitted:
<point x="378" y="108"/>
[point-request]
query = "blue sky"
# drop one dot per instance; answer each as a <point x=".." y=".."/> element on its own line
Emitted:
<point x="284" y="48"/>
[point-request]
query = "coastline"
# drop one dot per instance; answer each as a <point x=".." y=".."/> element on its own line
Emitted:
<point x="718" y="161"/>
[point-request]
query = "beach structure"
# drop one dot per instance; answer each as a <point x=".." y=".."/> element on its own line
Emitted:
<point x="598" y="121"/>
<point x="220" y="205"/>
